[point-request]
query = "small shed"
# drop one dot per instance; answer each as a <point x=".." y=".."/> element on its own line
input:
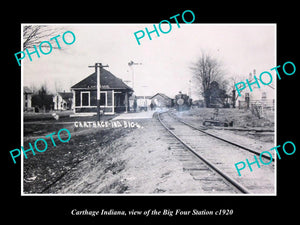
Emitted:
<point x="161" y="100"/>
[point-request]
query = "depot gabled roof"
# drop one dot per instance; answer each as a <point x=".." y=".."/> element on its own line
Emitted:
<point x="107" y="81"/>
<point x="162" y="95"/>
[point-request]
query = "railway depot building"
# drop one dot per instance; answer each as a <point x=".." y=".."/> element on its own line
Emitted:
<point x="114" y="94"/>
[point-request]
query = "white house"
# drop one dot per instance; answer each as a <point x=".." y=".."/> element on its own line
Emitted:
<point x="63" y="101"/>
<point x="263" y="95"/>
<point x="27" y="94"/>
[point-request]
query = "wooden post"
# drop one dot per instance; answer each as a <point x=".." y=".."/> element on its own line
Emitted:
<point x="126" y="102"/>
<point x="98" y="67"/>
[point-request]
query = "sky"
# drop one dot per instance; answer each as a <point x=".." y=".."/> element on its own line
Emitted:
<point x="165" y="60"/>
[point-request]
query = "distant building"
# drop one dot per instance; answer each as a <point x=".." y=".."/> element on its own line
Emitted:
<point x="27" y="99"/>
<point x="63" y="101"/>
<point x="218" y="97"/>
<point x="114" y="94"/>
<point x="161" y="100"/>
<point x="262" y="96"/>
<point x="143" y="102"/>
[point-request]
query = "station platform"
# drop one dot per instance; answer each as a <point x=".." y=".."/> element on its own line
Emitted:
<point x="135" y="115"/>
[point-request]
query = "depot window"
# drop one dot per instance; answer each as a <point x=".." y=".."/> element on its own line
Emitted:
<point x="85" y="98"/>
<point x="103" y="98"/>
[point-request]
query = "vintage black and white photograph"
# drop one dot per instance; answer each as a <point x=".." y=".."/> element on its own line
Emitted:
<point x="131" y="109"/>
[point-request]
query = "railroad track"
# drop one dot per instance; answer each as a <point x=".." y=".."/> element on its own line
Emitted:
<point x="203" y="128"/>
<point x="210" y="160"/>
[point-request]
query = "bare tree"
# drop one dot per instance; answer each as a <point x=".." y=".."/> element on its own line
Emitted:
<point x="35" y="34"/>
<point x="42" y="99"/>
<point x="206" y="70"/>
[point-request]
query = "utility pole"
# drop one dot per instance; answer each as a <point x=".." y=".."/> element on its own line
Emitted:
<point x="98" y="66"/>
<point x="145" y="101"/>
<point x="131" y="63"/>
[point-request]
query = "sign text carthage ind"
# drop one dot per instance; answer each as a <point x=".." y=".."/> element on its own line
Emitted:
<point x="107" y="124"/>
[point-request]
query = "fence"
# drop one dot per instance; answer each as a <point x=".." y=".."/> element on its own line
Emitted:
<point x="268" y="104"/>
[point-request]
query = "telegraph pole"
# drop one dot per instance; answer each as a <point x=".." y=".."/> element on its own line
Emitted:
<point x="131" y="63"/>
<point x="98" y="66"/>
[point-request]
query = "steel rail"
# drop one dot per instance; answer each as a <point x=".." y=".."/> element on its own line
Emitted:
<point x="222" y="139"/>
<point x="231" y="180"/>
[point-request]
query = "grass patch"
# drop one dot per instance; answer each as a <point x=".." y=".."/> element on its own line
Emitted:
<point x="43" y="169"/>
